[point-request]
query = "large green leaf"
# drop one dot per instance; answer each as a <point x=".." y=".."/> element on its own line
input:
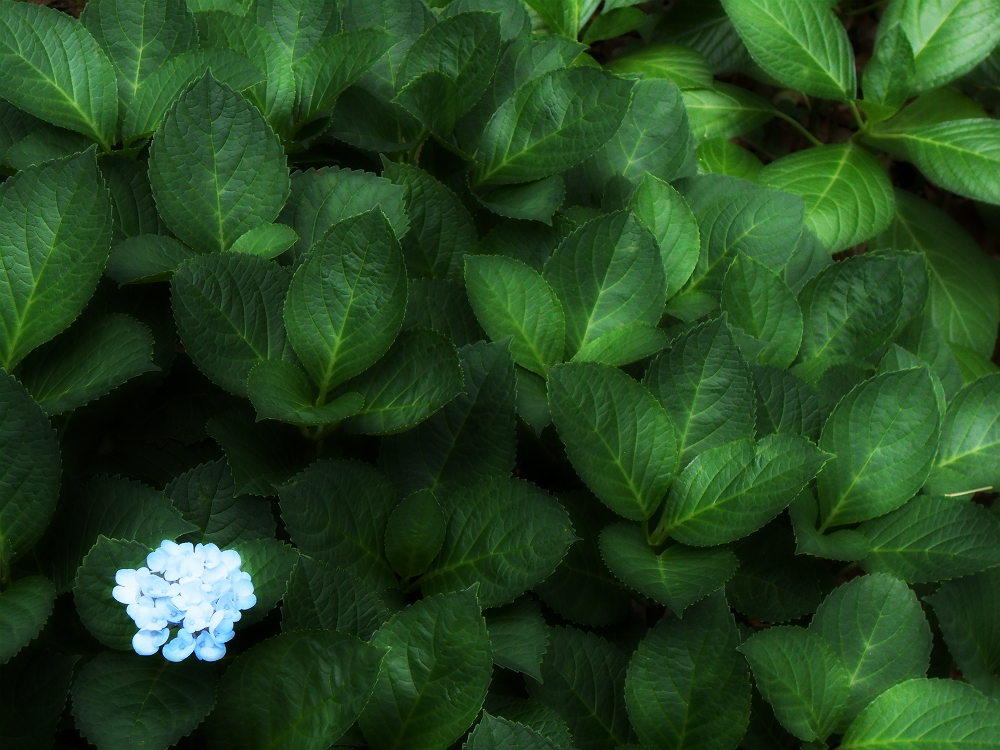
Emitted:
<point x="932" y="539"/>
<point x="583" y="680"/>
<point x="88" y="361"/>
<point x="848" y="194"/>
<point x="687" y="686"/>
<point x="347" y="300"/>
<point x="664" y="211"/>
<point x="55" y="229"/>
<point x="725" y="111"/>
<point x="123" y="701"/>
<point x="801" y="676"/>
<point x="320" y="597"/>
<point x="961" y="156"/>
<point x="803" y="45"/>
<point x="297" y="690"/>
<point x="30" y="469"/>
<point x="24" y="608"/>
<point x="551" y="123"/>
<point x="676" y="577"/>
<point x="203" y="151"/>
<point x="504" y="534"/>
<point x="704" y="384"/>
<point x="876" y="626"/>
<point x="617" y="436"/>
<point x="104" y="617"/>
<point x="434" y="678"/>
<point x="968" y="613"/>
<point x="228" y="311"/>
<point x="55" y="70"/>
<point x="471" y="438"/>
<point x="963" y="299"/>
<point x="607" y="274"/>
<point x="33" y="695"/>
<point x="884" y="435"/>
<point x="969" y="456"/>
<point x="728" y="492"/>
<point x="511" y="299"/>
<point x="348" y="535"/>
<point x="921" y="714"/>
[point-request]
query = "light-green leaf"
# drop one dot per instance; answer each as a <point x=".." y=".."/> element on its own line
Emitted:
<point x="960" y="155"/>
<point x="969" y="456"/>
<point x="434" y="679"/>
<point x="617" y="436"/>
<point x="802" y="44"/>
<point x="297" y="690"/>
<point x="682" y="66"/>
<point x="24" y="608"/>
<point x="666" y="214"/>
<point x="687" y="686"/>
<point x="265" y="240"/>
<point x="55" y="230"/>
<point x="203" y="151"/>
<point x="725" y="111"/>
<point x="725" y="157"/>
<point x="884" y="435"/>
<point x="801" y="676"/>
<point x="281" y="390"/>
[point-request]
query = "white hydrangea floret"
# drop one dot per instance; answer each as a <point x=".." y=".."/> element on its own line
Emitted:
<point x="196" y="589"/>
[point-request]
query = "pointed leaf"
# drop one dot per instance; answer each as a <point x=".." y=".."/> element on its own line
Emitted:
<point x="266" y="241"/>
<point x="665" y="213"/>
<point x="519" y="636"/>
<point x="414" y="534"/>
<point x="281" y="390"/>
<point x="495" y="733"/>
<point x="146" y="258"/>
<point x="532" y="201"/>
<point x="725" y="111"/>
<point x="969" y="455"/>
<point x="682" y="66"/>
<point x="442" y="306"/>
<point x="24" y="608"/>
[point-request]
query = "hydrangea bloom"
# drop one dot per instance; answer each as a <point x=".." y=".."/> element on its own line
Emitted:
<point x="197" y="589"/>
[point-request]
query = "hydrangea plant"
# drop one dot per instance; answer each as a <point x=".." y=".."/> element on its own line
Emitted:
<point x="523" y="374"/>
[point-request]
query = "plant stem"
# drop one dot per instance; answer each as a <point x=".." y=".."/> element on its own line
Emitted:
<point x="857" y="116"/>
<point x="800" y="127"/>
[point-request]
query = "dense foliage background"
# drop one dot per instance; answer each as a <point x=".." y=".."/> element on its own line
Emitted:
<point x="567" y="374"/>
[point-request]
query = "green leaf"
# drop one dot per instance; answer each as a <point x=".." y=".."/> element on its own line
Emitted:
<point x="531" y="400"/>
<point x="104" y="617"/>
<point x="471" y="438"/>
<point x="764" y="732"/>
<point x="125" y="700"/>
<point x="802" y="678"/>
<point x="845" y="544"/>
<point x="418" y="375"/>
<point x="507" y="535"/>
<point x="55" y="228"/>
<point x="924" y="340"/>
<point x="876" y="626"/>
<point x="228" y="312"/>
<point x="15" y="126"/>
<point x="624" y="345"/>
<point x="30" y="469"/>
<point x="519" y="636"/>
<point x="434" y="679"/>
<point x="133" y="210"/>
<point x="551" y="123"/>
<point x="323" y="197"/>
<point x="665" y="213"/>
<point x="607" y="274"/>
<point x="803" y="45"/>
<point x="848" y="195"/>
<point x="728" y="492"/>
<point x="56" y="71"/>
<point x="687" y="686"/>
<point x="32" y="698"/>
<point x="119" y="509"/>
<point x="266" y="241"/>
<point x="205" y="496"/>
<point x="614" y="22"/>
<point x="786" y="404"/>
<point x="301" y="690"/>
<point x="583" y="681"/>
<point x="617" y="436"/>
<point x="533" y="714"/>
<point x="969" y="454"/>
<point x="926" y="713"/>
<point x="760" y="305"/>
<point x="515" y="24"/>
<point x="281" y="390"/>
<point x="495" y="733"/>
<point x="884" y="435"/>
<point x="43" y="144"/>
<point x="442" y="306"/>
<point x="566" y="17"/>
<point x="725" y="111"/>
<point x="347" y="535"/>
<point x="947" y="39"/>
<point x="414" y="533"/>
<point x="963" y="299"/>
<point x="24" y="608"/>
<point x="725" y="157"/>
<point x="535" y="201"/>
<point x="511" y="299"/>
<point x="146" y="258"/>
<point x="967" y="613"/>
<point x="971" y="365"/>
<point x="320" y="597"/>
<point x="888" y="76"/>
<point x="88" y="361"/>
<point x="582" y="589"/>
<point x="677" y="577"/>
<point x="682" y="66"/>
<point x="347" y="300"/>
<point x="441" y="229"/>
<point x="933" y="539"/>
<point x="269" y="562"/>
<point x="704" y="384"/>
<point x="206" y="145"/>
<point x="960" y="156"/>
<point x="706" y="28"/>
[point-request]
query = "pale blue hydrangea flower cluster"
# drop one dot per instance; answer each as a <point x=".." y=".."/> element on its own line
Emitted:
<point x="198" y="588"/>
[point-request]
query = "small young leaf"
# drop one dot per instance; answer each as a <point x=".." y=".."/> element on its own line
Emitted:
<point x="624" y="345"/>
<point x="265" y="240"/>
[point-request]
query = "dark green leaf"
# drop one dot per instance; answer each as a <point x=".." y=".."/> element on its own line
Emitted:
<point x="24" y="608"/>
<point x="320" y="597"/>
<point x="281" y="390"/>
<point x="33" y="694"/>
<point x="519" y="636"/>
